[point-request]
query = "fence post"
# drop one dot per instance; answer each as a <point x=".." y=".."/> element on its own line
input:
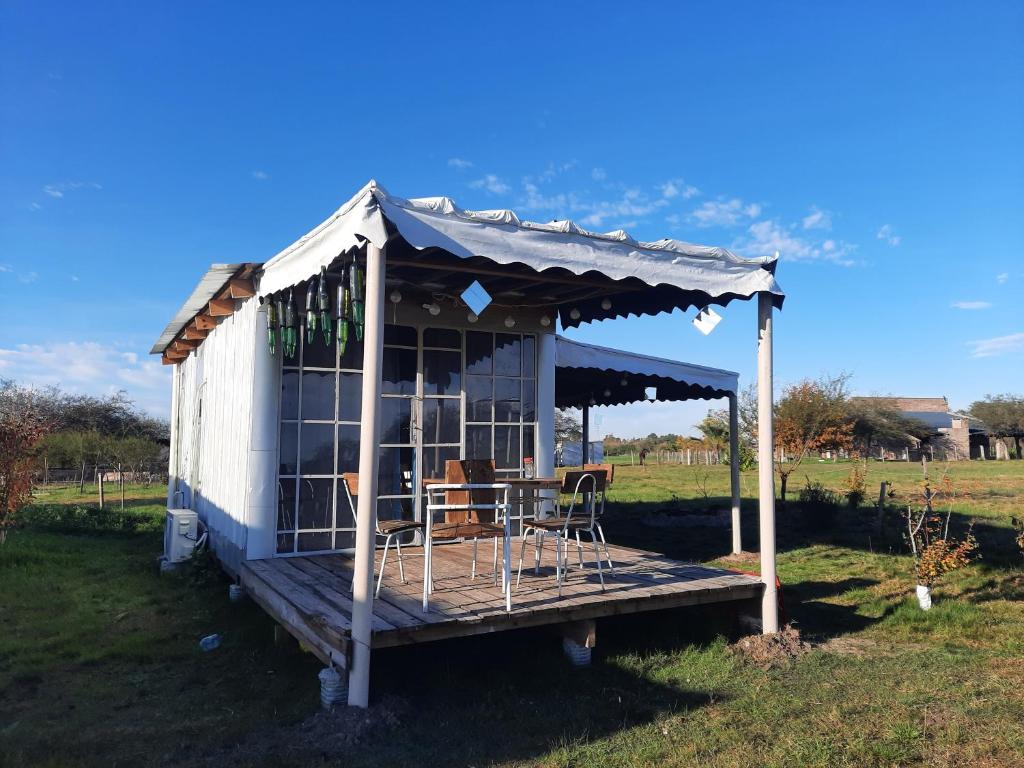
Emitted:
<point x="99" y="481"/>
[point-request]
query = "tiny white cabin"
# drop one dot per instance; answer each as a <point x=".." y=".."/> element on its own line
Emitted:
<point x="270" y="407"/>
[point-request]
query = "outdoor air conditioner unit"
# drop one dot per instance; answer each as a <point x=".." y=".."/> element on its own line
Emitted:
<point x="180" y="535"/>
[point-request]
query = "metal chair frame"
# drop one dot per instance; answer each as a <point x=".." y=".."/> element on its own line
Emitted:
<point x="502" y="510"/>
<point x="389" y="536"/>
<point x="587" y="499"/>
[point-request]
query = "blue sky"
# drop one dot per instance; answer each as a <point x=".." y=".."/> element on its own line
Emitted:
<point x="877" y="146"/>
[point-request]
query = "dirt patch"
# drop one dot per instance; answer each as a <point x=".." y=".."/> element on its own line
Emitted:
<point x="741" y="560"/>
<point x="326" y="735"/>
<point x="847" y="645"/>
<point x="769" y="651"/>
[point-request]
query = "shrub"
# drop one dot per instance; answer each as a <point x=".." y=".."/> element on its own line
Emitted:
<point x="64" y="518"/>
<point x="856" y="486"/>
<point x="819" y="504"/>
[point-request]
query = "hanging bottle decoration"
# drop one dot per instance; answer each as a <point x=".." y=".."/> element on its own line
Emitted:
<point x="279" y="311"/>
<point x="323" y="301"/>
<point x="271" y="325"/>
<point x="291" y="334"/>
<point x="310" y="310"/>
<point x="343" y="310"/>
<point x="358" y="298"/>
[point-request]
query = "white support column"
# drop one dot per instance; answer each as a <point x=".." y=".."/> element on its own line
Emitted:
<point x="544" y="461"/>
<point x="369" y="434"/>
<point x="766" y="464"/>
<point x="585" y="453"/>
<point x="172" y="458"/>
<point x="734" y="470"/>
<point x="261" y="486"/>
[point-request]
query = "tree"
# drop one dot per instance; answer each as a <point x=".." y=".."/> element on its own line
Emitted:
<point x="877" y="422"/>
<point x="1003" y="415"/>
<point x="715" y="430"/>
<point x="22" y="425"/>
<point x="568" y="426"/>
<point x="810" y="415"/>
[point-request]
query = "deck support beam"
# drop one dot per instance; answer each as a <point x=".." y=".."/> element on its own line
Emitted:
<point x="734" y="470"/>
<point x="369" y="434"/>
<point x="766" y="464"/>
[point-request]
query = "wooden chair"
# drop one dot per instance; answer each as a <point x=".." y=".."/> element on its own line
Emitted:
<point x="389" y="529"/>
<point x="587" y="491"/>
<point x="465" y="522"/>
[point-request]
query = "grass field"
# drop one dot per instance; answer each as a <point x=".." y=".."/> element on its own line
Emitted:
<point x="99" y="663"/>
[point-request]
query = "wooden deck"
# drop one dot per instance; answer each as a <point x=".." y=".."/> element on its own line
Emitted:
<point x="311" y="596"/>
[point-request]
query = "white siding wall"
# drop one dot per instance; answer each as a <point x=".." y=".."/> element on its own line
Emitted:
<point x="212" y="446"/>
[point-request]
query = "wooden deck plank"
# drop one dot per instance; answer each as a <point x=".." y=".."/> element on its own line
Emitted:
<point x="314" y="593"/>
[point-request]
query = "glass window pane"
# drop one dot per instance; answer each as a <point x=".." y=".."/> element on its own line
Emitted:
<point x="352" y="357"/>
<point x="434" y="461"/>
<point x="289" y="446"/>
<point x="345" y="513"/>
<point x="285" y="542"/>
<point x="286" y="504"/>
<point x="479" y="349"/>
<point x="315" y="542"/>
<point x="348" y="448"/>
<point x="507" y="394"/>
<point x="442" y="372"/>
<point x="394" y="472"/>
<point x="529" y="356"/>
<point x="440" y="421"/>
<point x="396" y="420"/>
<point x="478" y="442"/>
<point x="442" y="337"/>
<point x="506" y="447"/>
<point x="316" y="456"/>
<point x="529" y="400"/>
<point x="290" y="394"/>
<point x="478" y="398"/>
<point x="318" y="354"/>
<point x="403" y="335"/>
<point x="316" y="503"/>
<point x="345" y="540"/>
<point x="529" y="447"/>
<point x="508" y="354"/>
<point x="399" y="371"/>
<point x="317" y="395"/>
<point x="351" y="402"/>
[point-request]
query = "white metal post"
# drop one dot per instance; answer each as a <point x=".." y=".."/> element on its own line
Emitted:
<point x="369" y="434"/>
<point x="585" y="453"/>
<point x="261" y="485"/>
<point x="734" y="471"/>
<point x="544" y="459"/>
<point x="766" y="464"/>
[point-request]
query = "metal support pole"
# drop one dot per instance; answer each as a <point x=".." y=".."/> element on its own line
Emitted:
<point x="734" y="471"/>
<point x="766" y="465"/>
<point x="369" y="434"/>
<point x="585" y="453"/>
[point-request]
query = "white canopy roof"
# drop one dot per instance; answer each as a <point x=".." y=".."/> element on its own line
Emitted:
<point x="704" y="274"/>
<point x="587" y="371"/>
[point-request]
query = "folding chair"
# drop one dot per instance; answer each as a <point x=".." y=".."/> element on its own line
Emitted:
<point x="389" y="529"/>
<point x="587" y="489"/>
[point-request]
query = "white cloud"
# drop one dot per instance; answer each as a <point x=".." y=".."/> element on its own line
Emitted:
<point x="678" y="188"/>
<point x="598" y="174"/>
<point x="260" y="175"/>
<point x="817" y="219"/>
<point x="1002" y="277"/>
<point x="997" y="346"/>
<point x="765" y="238"/>
<point x="491" y="183"/>
<point x="61" y="188"/>
<point x="886" y="234"/>
<point x="971" y="304"/>
<point x="459" y="163"/>
<point x="28" y="277"/>
<point x="724" y="213"/>
<point x="6" y="268"/>
<point x="90" y="368"/>
<point x="33" y="206"/>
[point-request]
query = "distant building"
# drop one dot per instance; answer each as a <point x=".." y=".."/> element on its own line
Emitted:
<point x="956" y="436"/>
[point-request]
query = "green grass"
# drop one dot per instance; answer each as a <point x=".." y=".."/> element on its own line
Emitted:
<point x="99" y="663"/>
